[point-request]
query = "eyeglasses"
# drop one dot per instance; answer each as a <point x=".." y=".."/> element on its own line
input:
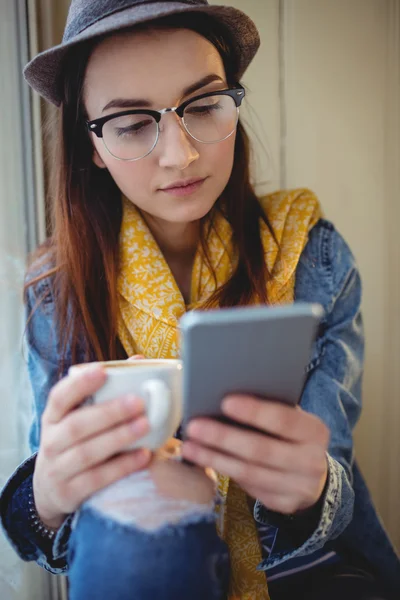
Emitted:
<point x="132" y="134"/>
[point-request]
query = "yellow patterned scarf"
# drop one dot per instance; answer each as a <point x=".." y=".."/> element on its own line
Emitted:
<point x="151" y="305"/>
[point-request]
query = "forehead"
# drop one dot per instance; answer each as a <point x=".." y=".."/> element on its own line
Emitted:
<point x="155" y="65"/>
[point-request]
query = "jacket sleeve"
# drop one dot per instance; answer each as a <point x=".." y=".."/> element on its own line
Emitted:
<point x="327" y="274"/>
<point x="15" y="498"/>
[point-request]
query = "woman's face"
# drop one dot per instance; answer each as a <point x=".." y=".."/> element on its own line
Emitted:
<point x="158" y="66"/>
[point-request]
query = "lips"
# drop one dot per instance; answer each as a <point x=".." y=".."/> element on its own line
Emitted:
<point x="184" y="187"/>
<point x="183" y="183"/>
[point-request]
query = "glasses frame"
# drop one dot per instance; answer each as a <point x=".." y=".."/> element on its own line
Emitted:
<point x="236" y="92"/>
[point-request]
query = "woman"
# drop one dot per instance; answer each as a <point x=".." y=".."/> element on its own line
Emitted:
<point x="154" y="215"/>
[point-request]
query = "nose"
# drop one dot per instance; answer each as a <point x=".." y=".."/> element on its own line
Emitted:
<point x="175" y="145"/>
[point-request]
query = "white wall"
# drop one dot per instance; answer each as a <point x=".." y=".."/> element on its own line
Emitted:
<point x="338" y="144"/>
<point x="261" y="110"/>
<point x="327" y="93"/>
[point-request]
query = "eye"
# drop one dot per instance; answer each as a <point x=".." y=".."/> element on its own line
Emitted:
<point x="203" y="109"/>
<point x="134" y="129"/>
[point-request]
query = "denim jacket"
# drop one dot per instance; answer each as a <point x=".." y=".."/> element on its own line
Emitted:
<point x="327" y="274"/>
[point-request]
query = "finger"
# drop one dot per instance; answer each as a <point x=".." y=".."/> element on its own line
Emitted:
<point x="258" y="448"/>
<point x="136" y="357"/>
<point x="89" y="421"/>
<point x="247" y="473"/>
<point x="97" y="450"/>
<point x="72" y="390"/>
<point x="81" y="487"/>
<point x="276" y="418"/>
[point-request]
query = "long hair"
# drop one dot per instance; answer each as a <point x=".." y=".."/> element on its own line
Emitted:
<point x="87" y="214"/>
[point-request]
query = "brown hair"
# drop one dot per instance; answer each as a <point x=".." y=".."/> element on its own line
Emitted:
<point x="87" y="215"/>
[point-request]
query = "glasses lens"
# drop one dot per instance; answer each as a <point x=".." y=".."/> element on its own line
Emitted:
<point x="130" y="136"/>
<point x="211" y="119"/>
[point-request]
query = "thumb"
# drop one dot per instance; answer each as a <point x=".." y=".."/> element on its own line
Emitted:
<point x="136" y="357"/>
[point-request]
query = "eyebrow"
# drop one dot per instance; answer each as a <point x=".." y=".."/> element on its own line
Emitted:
<point x="138" y="102"/>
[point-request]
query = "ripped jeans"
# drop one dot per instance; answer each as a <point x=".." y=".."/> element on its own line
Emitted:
<point x="131" y="542"/>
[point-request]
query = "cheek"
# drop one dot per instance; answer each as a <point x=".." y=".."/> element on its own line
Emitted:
<point x="131" y="177"/>
<point x="219" y="159"/>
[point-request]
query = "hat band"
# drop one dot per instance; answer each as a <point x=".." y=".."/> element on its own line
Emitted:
<point x="85" y="18"/>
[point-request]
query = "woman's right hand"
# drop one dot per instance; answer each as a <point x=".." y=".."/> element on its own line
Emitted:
<point x="81" y="450"/>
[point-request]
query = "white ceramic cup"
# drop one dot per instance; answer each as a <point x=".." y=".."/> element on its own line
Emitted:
<point x="157" y="382"/>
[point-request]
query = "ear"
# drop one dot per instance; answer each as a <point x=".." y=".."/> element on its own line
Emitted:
<point x="98" y="161"/>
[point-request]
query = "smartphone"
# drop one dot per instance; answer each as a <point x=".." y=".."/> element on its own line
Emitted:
<point x="261" y="350"/>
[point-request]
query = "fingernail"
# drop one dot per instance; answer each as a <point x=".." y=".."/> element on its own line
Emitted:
<point x="194" y="429"/>
<point x="140" y="426"/>
<point x="229" y="403"/>
<point x="136" y="357"/>
<point x="93" y="371"/>
<point x="133" y="401"/>
<point x="143" y="455"/>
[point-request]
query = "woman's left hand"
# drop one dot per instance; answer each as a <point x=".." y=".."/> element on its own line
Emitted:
<point x="284" y="466"/>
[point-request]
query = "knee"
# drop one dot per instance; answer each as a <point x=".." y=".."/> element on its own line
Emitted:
<point x="109" y="560"/>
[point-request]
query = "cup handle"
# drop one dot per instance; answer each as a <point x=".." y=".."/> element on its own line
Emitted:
<point x="159" y="406"/>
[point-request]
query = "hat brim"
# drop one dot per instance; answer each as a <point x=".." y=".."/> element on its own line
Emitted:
<point x="44" y="72"/>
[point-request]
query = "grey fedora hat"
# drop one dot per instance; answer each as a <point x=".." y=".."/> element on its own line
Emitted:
<point x="88" y="19"/>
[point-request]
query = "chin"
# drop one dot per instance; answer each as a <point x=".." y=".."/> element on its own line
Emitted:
<point x="188" y="212"/>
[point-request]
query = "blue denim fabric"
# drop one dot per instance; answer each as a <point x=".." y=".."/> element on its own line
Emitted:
<point x="326" y="274"/>
<point x="109" y="560"/>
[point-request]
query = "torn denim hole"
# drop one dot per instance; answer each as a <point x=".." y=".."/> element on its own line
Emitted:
<point x="135" y="501"/>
